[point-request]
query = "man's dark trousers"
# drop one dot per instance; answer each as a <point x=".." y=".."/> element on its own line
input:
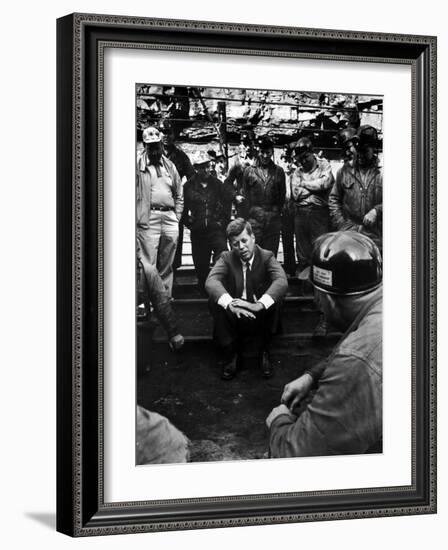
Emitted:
<point x="248" y="336"/>
<point x="203" y="245"/>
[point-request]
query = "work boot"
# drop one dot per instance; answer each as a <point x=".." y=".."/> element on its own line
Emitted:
<point x="229" y="369"/>
<point x="266" y="367"/>
<point x="322" y="328"/>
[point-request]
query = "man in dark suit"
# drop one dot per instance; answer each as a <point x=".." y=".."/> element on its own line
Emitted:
<point x="246" y="287"/>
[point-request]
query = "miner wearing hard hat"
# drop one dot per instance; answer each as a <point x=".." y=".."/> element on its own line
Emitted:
<point x="356" y="198"/>
<point x="335" y="407"/>
<point x="311" y="182"/>
<point x="206" y="215"/>
<point x="160" y="204"/>
<point x="263" y="191"/>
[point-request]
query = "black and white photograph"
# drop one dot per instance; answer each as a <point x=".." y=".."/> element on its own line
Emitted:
<point x="259" y="320"/>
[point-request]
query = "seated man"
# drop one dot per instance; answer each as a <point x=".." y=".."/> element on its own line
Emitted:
<point x="245" y="286"/>
<point x="344" y="416"/>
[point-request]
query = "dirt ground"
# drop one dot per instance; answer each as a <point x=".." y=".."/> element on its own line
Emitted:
<point x="224" y="420"/>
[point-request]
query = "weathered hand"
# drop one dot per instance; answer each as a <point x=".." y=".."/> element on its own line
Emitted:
<point x="240" y="312"/>
<point x="370" y="218"/>
<point x="239" y="199"/>
<point x="276" y="411"/>
<point x="296" y="390"/>
<point x="176" y="342"/>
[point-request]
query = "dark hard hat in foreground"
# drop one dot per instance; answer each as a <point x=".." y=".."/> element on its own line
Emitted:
<point x="345" y="263"/>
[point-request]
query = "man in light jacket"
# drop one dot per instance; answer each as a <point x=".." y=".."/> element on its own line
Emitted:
<point x="160" y="204"/>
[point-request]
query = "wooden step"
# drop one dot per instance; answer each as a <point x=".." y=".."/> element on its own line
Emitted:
<point x="299" y="317"/>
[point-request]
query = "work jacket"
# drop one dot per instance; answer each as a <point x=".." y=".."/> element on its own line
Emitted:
<point x="344" y="416"/>
<point x="312" y="188"/>
<point x="353" y="195"/>
<point x="226" y="276"/>
<point x="264" y="189"/>
<point x="206" y="208"/>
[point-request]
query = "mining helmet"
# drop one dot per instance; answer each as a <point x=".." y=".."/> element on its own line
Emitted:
<point x="151" y="135"/>
<point x="302" y="146"/>
<point x="347" y="135"/>
<point x="199" y="158"/>
<point x="167" y="125"/>
<point x="345" y="263"/>
<point x="367" y="136"/>
<point x="265" y="143"/>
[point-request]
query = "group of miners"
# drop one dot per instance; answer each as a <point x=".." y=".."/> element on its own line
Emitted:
<point x="335" y="408"/>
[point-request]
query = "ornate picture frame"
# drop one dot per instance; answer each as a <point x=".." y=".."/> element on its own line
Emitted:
<point x="81" y="43"/>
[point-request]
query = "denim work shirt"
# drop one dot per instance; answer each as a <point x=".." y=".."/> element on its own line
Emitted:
<point x="354" y="194"/>
<point x="345" y="414"/>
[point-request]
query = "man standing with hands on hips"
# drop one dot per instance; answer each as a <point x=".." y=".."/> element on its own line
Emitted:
<point x="159" y="206"/>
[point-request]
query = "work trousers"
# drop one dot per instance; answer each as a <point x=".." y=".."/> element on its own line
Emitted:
<point x="310" y="222"/>
<point x="152" y="291"/>
<point x="244" y="336"/>
<point x="289" y="260"/>
<point x="158" y="243"/>
<point x="205" y="246"/>
<point x="180" y="241"/>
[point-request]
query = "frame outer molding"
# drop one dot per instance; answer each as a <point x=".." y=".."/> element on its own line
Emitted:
<point x="72" y="518"/>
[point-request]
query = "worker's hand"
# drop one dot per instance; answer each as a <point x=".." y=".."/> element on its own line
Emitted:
<point x="254" y="307"/>
<point x="296" y="390"/>
<point x="240" y="312"/>
<point x="239" y="199"/>
<point x="370" y="218"/>
<point x="276" y="411"/>
<point x="176" y="342"/>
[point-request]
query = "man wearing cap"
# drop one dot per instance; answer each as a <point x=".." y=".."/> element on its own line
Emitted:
<point x="288" y="214"/>
<point x="264" y="193"/>
<point x="159" y="206"/>
<point x="356" y="199"/>
<point x="246" y="156"/>
<point x="335" y="407"/>
<point x="245" y="287"/>
<point x="311" y="182"/>
<point x="348" y="140"/>
<point x="183" y="165"/>
<point x="217" y="164"/>
<point x="178" y="157"/>
<point x="206" y="214"/>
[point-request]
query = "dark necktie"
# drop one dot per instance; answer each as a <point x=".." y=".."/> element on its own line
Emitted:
<point x="249" y="284"/>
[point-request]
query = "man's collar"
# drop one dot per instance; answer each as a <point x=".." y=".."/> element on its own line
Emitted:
<point x="251" y="261"/>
